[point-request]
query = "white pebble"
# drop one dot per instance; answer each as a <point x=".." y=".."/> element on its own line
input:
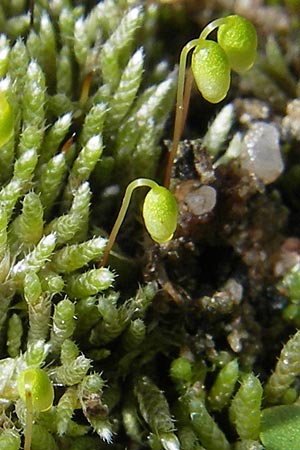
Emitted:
<point x="202" y="200"/>
<point x="260" y="153"/>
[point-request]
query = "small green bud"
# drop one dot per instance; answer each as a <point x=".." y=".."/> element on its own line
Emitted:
<point x="238" y="39"/>
<point x="160" y="212"/>
<point x="211" y="70"/>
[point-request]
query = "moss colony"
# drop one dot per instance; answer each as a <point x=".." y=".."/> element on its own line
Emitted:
<point x="191" y="344"/>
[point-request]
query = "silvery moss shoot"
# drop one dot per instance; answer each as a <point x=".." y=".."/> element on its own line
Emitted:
<point x="172" y="324"/>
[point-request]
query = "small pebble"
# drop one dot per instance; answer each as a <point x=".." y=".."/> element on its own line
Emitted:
<point x="261" y="154"/>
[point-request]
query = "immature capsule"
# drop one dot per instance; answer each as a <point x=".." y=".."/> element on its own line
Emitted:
<point x="238" y="38"/>
<point x="35" y="383"/>
<point x="211" y="70"/>
<point x="160" y="214"/>
<point x="159" y="211"/>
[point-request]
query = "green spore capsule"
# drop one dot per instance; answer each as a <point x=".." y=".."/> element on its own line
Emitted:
<point x="35" y="383"/>
<point x="159" y="211"/>
<point x="160" y="214"/>
<point x="211" y="65"/>
<point x="211" y="70"/>
<point x="238" y="38"/>
<point x="6" y="120"/>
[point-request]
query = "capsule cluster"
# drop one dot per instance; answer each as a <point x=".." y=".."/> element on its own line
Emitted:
<point x="212" y="61"/>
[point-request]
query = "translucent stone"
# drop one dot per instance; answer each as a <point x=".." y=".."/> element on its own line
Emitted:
<point x="260" y="153"/>
<point x="201" y="200"/>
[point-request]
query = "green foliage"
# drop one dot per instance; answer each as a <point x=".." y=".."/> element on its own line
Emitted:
<point x="286" y="371"/>
<point x="223" y="387"/>
<point x="63" y="323"/>
<point x="14" y="335"/>
<point x="155" y="411"/>
<point x="91" y="393"/>
<point x="65" y="409"/>
<point x="27" y="229"/>
<point x="7" y="120"/>
<point x="39" y="307"/>
<point x="245" y="407"/>
<point x="181" y="370"/>
<point x="280" y="427"/>
<point x="207" y="430"/>
<point x="290" y="284"/>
